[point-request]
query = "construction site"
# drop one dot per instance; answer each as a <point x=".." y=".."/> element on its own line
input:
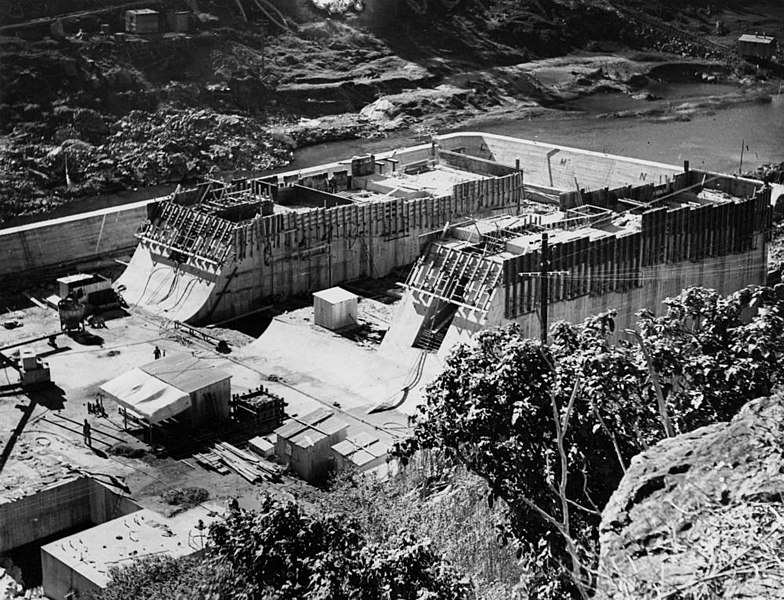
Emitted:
<point x="258" y="334"/>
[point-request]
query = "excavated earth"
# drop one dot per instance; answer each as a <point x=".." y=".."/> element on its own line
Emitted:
<point x="701" y="515"/>
<point x="84" y="113"/>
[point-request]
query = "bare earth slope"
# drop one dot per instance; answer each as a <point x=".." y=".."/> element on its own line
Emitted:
<point x="84" y="112"/>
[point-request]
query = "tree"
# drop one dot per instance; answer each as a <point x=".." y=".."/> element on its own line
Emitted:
<point x="156" y="578"/>
<point x="281" y="552"/>
<point x="515" y="414"/>
<point x="551" y="429"/>
<point x="714" y="354"/>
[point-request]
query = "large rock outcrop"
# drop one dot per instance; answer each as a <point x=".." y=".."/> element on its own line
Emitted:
<point x="701" y="515"/>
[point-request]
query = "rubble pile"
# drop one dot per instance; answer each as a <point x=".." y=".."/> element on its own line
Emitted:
<point x="140" y="149"/>
<point x="171" y="145"/>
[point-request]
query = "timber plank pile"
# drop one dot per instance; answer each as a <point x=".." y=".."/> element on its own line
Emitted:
<point x="224" y="458"/>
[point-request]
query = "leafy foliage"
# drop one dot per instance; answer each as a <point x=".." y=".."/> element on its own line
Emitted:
<point x="281" y="552"/>
<point x="438" y="499"/>
<point x="494" y="406"/>
<point x="714" y="354"/>
<point x="155" y="578"/>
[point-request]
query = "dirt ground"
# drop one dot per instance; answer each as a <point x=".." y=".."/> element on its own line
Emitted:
<point x="41" y="434"/>
<point x="89" y="113"/>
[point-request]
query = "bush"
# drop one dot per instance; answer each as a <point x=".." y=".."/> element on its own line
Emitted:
<point x="186" y="497"/>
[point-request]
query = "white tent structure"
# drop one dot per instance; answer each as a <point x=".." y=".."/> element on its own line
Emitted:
<point x="146" y="396"/>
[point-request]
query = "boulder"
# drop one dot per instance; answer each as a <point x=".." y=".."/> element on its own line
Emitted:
<point x="701" y="515"/>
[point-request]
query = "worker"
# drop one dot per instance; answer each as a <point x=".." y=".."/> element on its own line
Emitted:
<point x="99" y="408"/>
<point x="156" y="353"/>
<point x="53" y="341"/>
<point x="88" y="440"/>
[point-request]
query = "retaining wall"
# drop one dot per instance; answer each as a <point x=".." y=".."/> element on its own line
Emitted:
<point x="59" y="507"/>
<point x="559" y="166"/>
<point x="60" y="244"/>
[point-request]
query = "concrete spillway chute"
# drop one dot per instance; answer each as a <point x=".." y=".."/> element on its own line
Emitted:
<point x="162" y="287"/>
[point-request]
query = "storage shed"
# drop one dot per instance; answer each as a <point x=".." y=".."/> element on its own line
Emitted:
<point x="756" y="46"/>
<point x="178" y="21"/>
<point x="142" y="20"/>
<point x="335" y="308"/>
<point x="305" y="443"/>
<point x="364" y="451"/>
<point x="178" y="385"/>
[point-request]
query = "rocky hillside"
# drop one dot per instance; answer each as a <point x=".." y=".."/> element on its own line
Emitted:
<point x="87" y="109"/>
<point x="701" y="515"/>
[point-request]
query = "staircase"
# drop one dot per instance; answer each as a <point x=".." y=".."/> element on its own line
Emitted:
<point x="433" y="330"/>
<point x="430" y="339"/>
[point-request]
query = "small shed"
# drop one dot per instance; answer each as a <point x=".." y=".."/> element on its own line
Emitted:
<point x="756" y="46"/>
<point x="335" y="308"/>
<point x="364" y="451"/>
<point x="173" y="386"/>
<point x="142" y="20"/>
<point x="179" y="20"/>
<point x="81" y="285"/>
<point x="305" y="443"/>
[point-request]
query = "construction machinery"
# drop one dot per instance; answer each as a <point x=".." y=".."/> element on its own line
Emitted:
<point x="83" y="296"/>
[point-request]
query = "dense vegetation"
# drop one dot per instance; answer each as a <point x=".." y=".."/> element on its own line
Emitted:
<point x="280" y="552"/>
<point x="552" y="428"/>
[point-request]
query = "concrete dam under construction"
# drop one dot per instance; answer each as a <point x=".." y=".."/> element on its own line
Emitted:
<point x="469" y="209"/>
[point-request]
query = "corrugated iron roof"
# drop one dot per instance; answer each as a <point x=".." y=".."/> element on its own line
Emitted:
<point x="362" y="448"/>
<point x="309" y="429"/>
<point x="185" y="372"/>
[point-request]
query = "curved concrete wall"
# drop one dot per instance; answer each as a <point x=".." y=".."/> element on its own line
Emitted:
<point x="558" y="166"/>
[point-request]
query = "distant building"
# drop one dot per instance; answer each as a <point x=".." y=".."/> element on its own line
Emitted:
<point x="757" y="46"/>
<point x="305" y="443"/>
<point x="142" y="20"/>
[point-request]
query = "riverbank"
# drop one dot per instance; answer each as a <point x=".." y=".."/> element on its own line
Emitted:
<point x="85" y="118"/>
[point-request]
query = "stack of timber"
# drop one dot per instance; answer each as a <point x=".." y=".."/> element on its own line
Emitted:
<point x="224" y="457"/>
<point x="211" y="461"/>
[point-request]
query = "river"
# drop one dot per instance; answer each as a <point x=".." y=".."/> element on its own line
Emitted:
<point x="710" y="140"/>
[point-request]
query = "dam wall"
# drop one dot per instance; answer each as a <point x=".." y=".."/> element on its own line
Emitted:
<point x="559" y="166"/>
<point x="52" y="247"/>
<point x="302" y="252"/>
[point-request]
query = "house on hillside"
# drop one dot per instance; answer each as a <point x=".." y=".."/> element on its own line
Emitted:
<point x="757" y="46"/>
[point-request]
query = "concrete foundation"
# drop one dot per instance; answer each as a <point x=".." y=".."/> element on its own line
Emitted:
<point x="60" y="507"/>
<point x="90" y="238"/>
<point x="80" y="564"/>
<point x="700" y="229"/>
